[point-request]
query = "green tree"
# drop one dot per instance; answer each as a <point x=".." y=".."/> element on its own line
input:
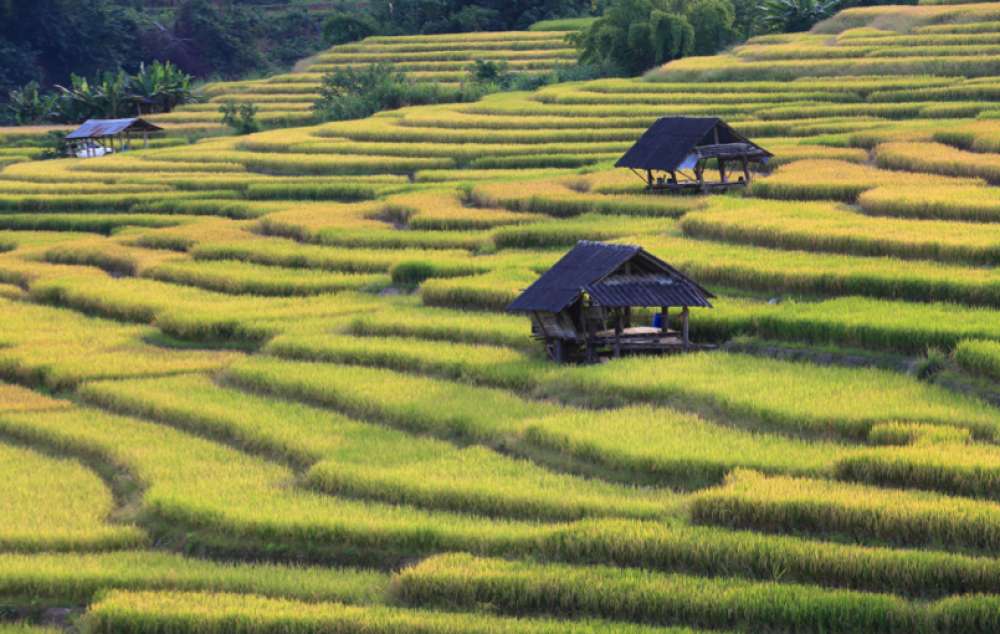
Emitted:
<point x="30" y="105"/>
<point x="788" y="16"/>
<point x="713" y="25"/>
<point x="635" y="35"/>
<point x="342" y="27"/>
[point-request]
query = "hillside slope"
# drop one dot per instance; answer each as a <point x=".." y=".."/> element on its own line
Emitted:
<point x="224" y="335"/>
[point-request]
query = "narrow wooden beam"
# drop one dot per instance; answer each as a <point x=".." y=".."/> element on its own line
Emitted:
<point x="685" y="336"/>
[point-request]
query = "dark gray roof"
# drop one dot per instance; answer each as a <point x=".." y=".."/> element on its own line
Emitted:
<point x="666" y="144"/>
<point x="646" y="290"/>
<point x="96" y="128"/>
<point x="585" y="268"/>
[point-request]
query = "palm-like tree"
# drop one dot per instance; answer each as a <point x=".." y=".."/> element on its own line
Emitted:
<point x="788" y="16"/>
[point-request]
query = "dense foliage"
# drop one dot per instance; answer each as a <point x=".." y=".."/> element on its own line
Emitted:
<point x="158" y="87"/>
<point x="392" y="17"/>
<point x="48" y="40"/>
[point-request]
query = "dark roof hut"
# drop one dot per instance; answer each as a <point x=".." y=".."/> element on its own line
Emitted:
<point x="582" y="307"/>
<point x="680" y="149"/>
<point x="96" y="137"/>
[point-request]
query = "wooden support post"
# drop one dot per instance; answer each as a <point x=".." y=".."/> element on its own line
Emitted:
<point x="628" y="317"/>
<point x="746" y="171"/>
<point x="685" y="335"/>
<point x="664" y="319"/>
<point x="722" y="170"/>
<point x="649" y="178"/>
<point x="618" y="336"/>
<point x="145" y="140"/>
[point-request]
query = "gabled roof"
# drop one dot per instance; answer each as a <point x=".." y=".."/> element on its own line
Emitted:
<point x="669" y="141"/>
<point x="585" y="269"/>
<point x="96" y="128"/>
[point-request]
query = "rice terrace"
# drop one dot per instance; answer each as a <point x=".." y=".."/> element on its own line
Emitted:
<point x="647" y="316"/>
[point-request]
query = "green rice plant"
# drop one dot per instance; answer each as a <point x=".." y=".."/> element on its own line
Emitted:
<point x="809" y="401"/>
<point x="829" y="227"/>
<point x="215" y="613"/>
<point x="939" y="159"/>
<point x="287" y="253"/>
<point x="312" y="164"/>
<point x="193" y="313"/>
<point x="814" y="273"/>
<point x="57" y="349"/>
<point x="346" y="192"/>
<point x="969" y="470"/>
<point x="442" y="324"/>
<point x="57" y="504"/>
<point x="668" y="447"/>
<point x="485" y="364"/>
<point x="489" y="291"/>
<point x="863" y="513"/>
<point x="981" y="357"/>
<point x="216" y="498"/>
<point x="236" y="210"/>
<point x="359" y="460"/>
<point x="712" y="551"/>
<point x="236" y="277"/>
<point x="905" y="327"/>
<point x="901" y="433"/>
<point x="566" y="233"/>
<point x="415" y="403"/>
<point x="461" y="580"/>
<point x="89" y="222"/>
<point x="79" y="578"/>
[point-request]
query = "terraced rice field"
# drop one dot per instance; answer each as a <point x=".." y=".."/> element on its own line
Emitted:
<point x="266" y="384"/>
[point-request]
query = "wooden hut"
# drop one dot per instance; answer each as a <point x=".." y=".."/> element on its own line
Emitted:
<point x="96" y="137"/>
<point x="582" y="307"/>
<point x="674" y="154"/>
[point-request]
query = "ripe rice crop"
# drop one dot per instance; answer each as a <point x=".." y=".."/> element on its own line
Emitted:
<point x="939" y="159"/>
<point x="857" y="321"/>
<point x="977" y="204"/>
<point x="561" y="200"/>
<point x="832" y="228"/>
<point x="979" y="357"/>
<point x="839" y="180"/>
<point x="226" y="499"/>
<point x="711" y="551"/>
<point x="236" y="277"/>
<point x="566" y="233"/>
<point x="416" y="403"/>
<point x="489" y="291"/>
<point x="490" y="365"/>
<point x="958" y="469"/>
<point x="57" y="504"/>
<point x="634" y="595"/>
<point x="14" y="398"/>
<point x="443" y="324"/>
<point x="182" y="613"/>
<point x="78" y="578"/>
<point x="810" y="400"/>
<point x="897" y="433"/>
<point x="816" y="273"/>
<point x="667" y="447"/>
<point x="862" y="513"/>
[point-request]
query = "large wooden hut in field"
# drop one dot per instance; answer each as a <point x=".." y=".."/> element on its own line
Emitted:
<point x="583" y="306"/>
<point x="674" y="154"/>
<point x="97" y="137"/>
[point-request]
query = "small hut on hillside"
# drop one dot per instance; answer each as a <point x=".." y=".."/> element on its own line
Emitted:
<point x="583" y="306"/>
<point x="96" y="137"/>
<point x="680" y="148"/>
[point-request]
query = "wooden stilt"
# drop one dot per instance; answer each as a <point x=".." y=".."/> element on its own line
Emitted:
<point x="685" y="335"/>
